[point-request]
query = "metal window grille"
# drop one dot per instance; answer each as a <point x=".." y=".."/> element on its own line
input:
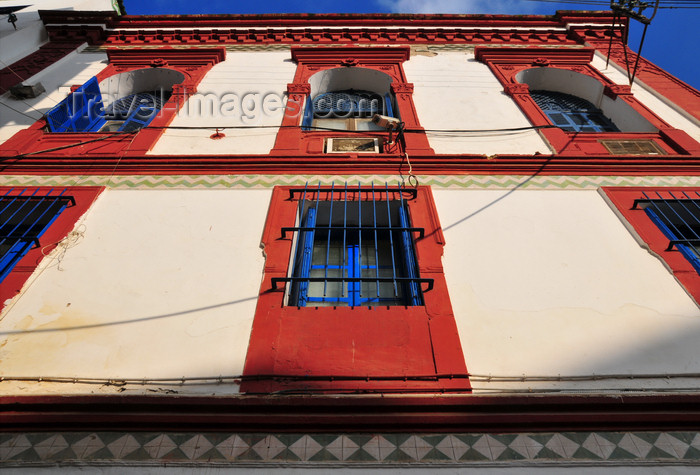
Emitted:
<point x="572" y="113"/>
<point x="354" y="247"/>
<point x="677" y="214"/>
<point x="347" y="104"/>
<point x="24" y="217"/>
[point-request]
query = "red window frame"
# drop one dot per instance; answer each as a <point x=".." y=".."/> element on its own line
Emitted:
<point x="65" y="222"/>
<point x="387" y="60"/>
<point x="192" y="63"/>
<point x="506" y="63"/>
<point x="354" y="349"/>
<point x="623" y="199"/>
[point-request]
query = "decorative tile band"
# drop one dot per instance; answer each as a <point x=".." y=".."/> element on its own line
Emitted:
<point x="350" y="449"/>
<point x="496" y="182"/>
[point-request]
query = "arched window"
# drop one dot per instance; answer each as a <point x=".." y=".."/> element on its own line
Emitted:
<point x="572" y="113"/>
<point x="134" y="111"/>
<point x="346" y="110"/>
<point x="137" y="96"/>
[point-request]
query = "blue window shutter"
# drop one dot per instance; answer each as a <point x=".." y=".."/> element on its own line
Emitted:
<point x="142" y="115"/>
<point x="60" y="116"/>
<point x="12" y="256"/>
<point x="409" y="258"/>
<point x="81" y="111"/>
<point x="387" y="102"/>
<point x="354" y="271"/>
<point x="308" y="115"/>
<point x="561" y="120"/>
<point x="307" y="250"/>
<point x="572" y="113"/>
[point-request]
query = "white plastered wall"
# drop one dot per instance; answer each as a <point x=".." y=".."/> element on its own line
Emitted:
<point x="552" y="283"/>
<point x="158" y="284"/>
<point x="453" y="91"/>
<point x="660" y="106"/>
<point x="74" y="69"/>
<point x="245" y="92"/>
<point x="28" y="33"/>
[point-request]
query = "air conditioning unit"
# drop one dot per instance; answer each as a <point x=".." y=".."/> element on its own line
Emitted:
<point x="352" y="145"/>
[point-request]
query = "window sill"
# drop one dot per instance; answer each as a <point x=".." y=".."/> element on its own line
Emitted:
<point x="589" y="143"/>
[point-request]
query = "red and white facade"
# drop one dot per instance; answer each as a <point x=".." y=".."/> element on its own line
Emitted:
<point x="555" y="306"/>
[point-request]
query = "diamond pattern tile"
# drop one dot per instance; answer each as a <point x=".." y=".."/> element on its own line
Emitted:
<point x="87" y="446"/>
<point x="196" y="447"/>
<point x="51" y="446"/>
<point x="350" y="449"/>
<point x="232" y="447"/>
<point x="124" y="445"/>
<point x="14" y="446"/>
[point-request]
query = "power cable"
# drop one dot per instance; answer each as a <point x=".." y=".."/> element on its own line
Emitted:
<point x="221" y="379"/>
<point x="675" y="4"/>
<point x="22" y="113"/>
<point x="114" y="134"/>
<point x="84" y="142"/>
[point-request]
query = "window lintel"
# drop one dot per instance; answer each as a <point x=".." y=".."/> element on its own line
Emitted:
<point x="374" y="55"/>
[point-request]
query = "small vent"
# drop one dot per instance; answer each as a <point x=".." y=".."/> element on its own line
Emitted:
<point x="352" y="144"/>
<point x="632" y="147"/>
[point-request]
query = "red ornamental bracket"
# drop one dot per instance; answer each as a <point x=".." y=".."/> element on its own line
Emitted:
<point x="349" y="62"/>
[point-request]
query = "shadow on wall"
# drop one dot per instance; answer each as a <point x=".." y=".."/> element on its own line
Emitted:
<point x="674" y="352"/>
<point x="126" y="322"/>
<point x="31" y="110"/>
<point x="502" y="197"/>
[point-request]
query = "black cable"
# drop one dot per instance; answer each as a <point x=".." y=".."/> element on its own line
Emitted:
<point x="199" y="127"/>
<point x="639" y="53"/>
<point x="671" y="3"/>
<point x="84" y="142"/>
<point x="612" y="34"/>
<point x="20" y="112"/>
<point x="113" y="134"/>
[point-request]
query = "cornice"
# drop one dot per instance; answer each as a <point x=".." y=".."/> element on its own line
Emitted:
<point x="537" y="56"/>
<point x="308" y="19"/>
<point x="376" y="55"/>
<point x="321" y="29"/>
<point x="368" y="413"/>
<point x="171" y="56"/>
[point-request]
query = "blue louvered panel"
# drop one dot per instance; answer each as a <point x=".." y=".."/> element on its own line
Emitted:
<point x="136" y="110"/>
<point x="81" y="111"/>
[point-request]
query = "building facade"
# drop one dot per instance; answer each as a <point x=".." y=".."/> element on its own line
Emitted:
<point x="376" y="241"/>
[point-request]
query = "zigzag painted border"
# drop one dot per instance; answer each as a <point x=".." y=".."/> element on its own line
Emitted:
<point x="498" y="182"/>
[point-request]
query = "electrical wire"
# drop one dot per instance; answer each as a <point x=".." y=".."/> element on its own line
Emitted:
<point x="84" y="142"/>
<point x="238" y="378"/>
<point x="673" y="4"/>
<point x="23" y="113"/>
<point x="113" y="134"/>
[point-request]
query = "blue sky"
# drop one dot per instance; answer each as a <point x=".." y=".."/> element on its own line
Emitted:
<point x="671" y="41"/>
